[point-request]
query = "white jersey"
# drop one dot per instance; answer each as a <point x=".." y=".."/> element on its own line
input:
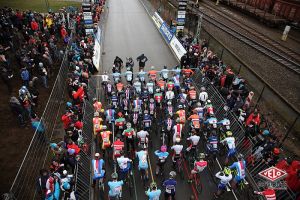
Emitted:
<point x="165" y="73"/>
<point x="142" y="135"/>
<point x="150" y="87"/>
<point x="104" y="78"/>
<point x="230" y="142"/>
<point x="169" y="95"/>
<point x="177" y="148"/>
<point x="141" y="76"/>
<point x="224" y="179"/>
<point x="123" y="162"/>
<point x="138" y="86"/>
<point x="128" y="75"/>
<point x="203" y="96"/>
<point x="195" y="139"/>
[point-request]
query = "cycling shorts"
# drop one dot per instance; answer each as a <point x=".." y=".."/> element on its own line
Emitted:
<point x="231" y="152"/>
<point x="126" y="169"/>
<point x="221" y="186"/>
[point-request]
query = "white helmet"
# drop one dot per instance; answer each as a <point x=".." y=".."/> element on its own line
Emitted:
<point x="152" y="67"/>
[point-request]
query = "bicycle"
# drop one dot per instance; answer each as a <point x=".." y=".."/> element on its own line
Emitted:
<point x="197" y="182"/>
<point x="143" y="176"/>
<point x="179" y="168"/>
<point x="211" y="159"/>
<point x="244" y="187"/>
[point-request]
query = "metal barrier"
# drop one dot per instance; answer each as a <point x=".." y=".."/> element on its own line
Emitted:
<point x="239" y="132"/>
<point x="36" y="157"/>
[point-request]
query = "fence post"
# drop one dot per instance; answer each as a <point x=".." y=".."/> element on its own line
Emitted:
<point x="260" y="95"/>
<point x="289" y="131"/>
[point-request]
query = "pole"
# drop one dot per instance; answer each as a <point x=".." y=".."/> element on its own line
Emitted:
<point x="260" y="95"/>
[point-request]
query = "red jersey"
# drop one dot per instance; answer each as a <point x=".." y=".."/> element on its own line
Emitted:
<point x="193" y="94"/>
<point x="269" y="194"/>
<point x="120" y="86"/>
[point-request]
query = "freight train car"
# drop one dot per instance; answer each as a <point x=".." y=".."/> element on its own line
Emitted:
<point x="287" y="9"/>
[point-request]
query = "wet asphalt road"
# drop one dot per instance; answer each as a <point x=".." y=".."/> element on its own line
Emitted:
<point x="129" y="31"/>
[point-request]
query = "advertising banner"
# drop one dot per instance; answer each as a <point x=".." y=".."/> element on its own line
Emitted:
<point x="177" y="48"/>
<point x="166" y="32"/>
<point x="157" y="20"/>
<point x="97" y="54"/>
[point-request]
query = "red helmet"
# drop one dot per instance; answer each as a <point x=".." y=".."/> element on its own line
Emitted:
<point x="120" y="114"/>
<point x="276" y="151"/>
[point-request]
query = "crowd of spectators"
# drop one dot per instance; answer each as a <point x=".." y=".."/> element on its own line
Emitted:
<point x="239" y="99"/>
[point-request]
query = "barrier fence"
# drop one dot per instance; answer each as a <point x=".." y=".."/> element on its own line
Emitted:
<point x="37" y="156"/>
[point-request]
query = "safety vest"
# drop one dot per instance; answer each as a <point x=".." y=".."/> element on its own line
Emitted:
<point x="193" y="94"/>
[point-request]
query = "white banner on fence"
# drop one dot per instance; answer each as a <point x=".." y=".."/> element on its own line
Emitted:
<point x="97" y="54"/>
<point x="157" y="20"/>
<point x="177" y="48"/>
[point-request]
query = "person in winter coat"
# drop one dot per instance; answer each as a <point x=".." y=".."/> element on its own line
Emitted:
<point x="17" y="108"/>
<point x="43" y="74"/>
<point x="25" y="76"/>
<point x="41" y="183"/>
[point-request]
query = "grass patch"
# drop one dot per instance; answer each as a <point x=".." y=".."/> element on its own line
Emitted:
<point x="38" y="5"/>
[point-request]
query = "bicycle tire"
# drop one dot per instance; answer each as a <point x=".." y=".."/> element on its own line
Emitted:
<point x="198" y="184"/>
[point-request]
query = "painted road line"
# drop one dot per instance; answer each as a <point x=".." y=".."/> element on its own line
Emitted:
<point x="192" y="185"/>
<point x="150" y="168"/>
<point x="231" y="190"/>
<point x="134" y="184"/>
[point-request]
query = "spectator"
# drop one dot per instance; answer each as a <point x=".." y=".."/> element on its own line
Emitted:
<point x="25" y="76"/>
<point x="17" y="109"/>
<point x="41" y="183"/>
<point x="43" y="74"/>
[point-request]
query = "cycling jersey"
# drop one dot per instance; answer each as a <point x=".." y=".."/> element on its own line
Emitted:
<point x="165" y="73"/>
<point x="162" y="156"/>
<point x="110" y="115"/>
<point x="138" y="86"/>
<point x="224" y="180"/>
<point x="115" y="188"/>
<point x="240" y="166"/>
<point x="151" y="108"/>
<point x="97" y="106"/>
<point x="225" y="122"/>
<point x="170" y="85"/>
<point x="109" y="88"/>
<point x="158" y="97"/>
<point x="181" y="115"/>
<point x="143" y="163"/>
<point x="137" y="104"/>
<point x="161" y="85"/>
<point x="192" y="94"/>
<point x="170" y="95"/>
<point x="154" y="194"/>
<point x="199" y="111"/>
<point x="98" y="171"/>
<point x="141" y="76"/>
<point x="123" y="163"/>
<point x="104" y="78"/>
<point x="128" y="75"/>
<point x="187" y="72"/>
<point x="116" y="76"/>
<point x="105" y="139"/>
<point x="97" y="121"/>
<point x="195" y="119"/>
<point x="129" y="133"/>
<point x="203" y="96"/>
<point x="177" y="148"/>
<point x="177" y="132"/>
<point x="150" y="87"/>
<point x="142" y="135"/>
<point x="230" y="142"/>
<point x="170" y="185"/>
<point x="195" y="139"/>
<point x="200" y="165"/>
<point x="169" y="110"/>
<point x="211" y="121"/>
<point x="212" y="144"/>
<point x="152" y="74"/>
<point x="120" y="122"/>
<point x="169" y="123"/>
<point x="118" y="146"/>
<point x="269" y="194"/>
<point x="120" y="87"/>
<point x="182" y="97"/>
<point x="176" y="81"/>
<point x="147" y="121"/>
<point x="114" y="100"/>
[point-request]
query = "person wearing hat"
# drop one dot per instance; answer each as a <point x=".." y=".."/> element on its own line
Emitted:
<point x="115" y="186"/>
<point x="98" y="168"/>
<point x="153" y="193"/>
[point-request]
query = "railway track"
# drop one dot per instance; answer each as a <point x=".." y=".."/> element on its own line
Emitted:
<point x="280" y="55"/>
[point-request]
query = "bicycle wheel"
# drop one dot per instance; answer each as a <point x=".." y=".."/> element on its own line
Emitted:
<point x="198" y="184"/>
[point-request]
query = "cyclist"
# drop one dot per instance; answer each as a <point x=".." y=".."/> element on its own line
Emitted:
<point x="137" y="86"/>
<point x="129" y="76"/>
<point x="182" y="96"/>
<point x="177" y="132"/>
<point x="141" y="76"/>
<point x="129" y="63"/>
<point x="192" y="96"/>
<point x="194" y="140"/>
<point x="118" y="146"/>
<point x="152" y="74"/>
<point x="225" y="177"/>
<point x="137" y="104"/>
<point x="209" y="109"/>
<point x="169" y="94"/>
<point x="170" y="85"/>
<point x="115" y="187"/>
<point x="162" y="156"/>
<point x="109" y="88"/>
<point x="104" y="78"/>
<point x="161" y="84"/>
<point x="176" y="81"/>
<point x="110" y="115"/>
<point x="230" y="140"/>
<point x="98" y="168"/>
<point x="165" y="73"/>
<point x="97" y="123"/>
<point x="212" y="144"/>
<point x="147" y="120"/>
<point x="240" y="166"/>
<point x="224" y="124"/>
<point x="203" y="96"/>
<point x="168" y="127"/>
<point x="145" y="97"/>
<point x="194" y="121"/>
<point x="105" y="139"/>
<point x="177" y="149"/>
<point x="199" y="166"/>
<point x="170" y="185"/>
<point x="142" y="136"/>
<point x="124" y="164"/>
<point x="120" y="122"/>
<point x="153" y="193"/>
<point x="199" y="110"/>
<point x="114" y="99"/>
<point x="181" y="114"/>
<point x="143" y="162"/>
<point x="268" y="193"/>
<point x="151" y="107"/>
<point x="116" y="76"/>
<point x="120" y="88"/>
<point x="129" y="133"/>
<point x="142" y="59"/>
<point x="187" y="72"/>
<point x="158" y="96"/>
<point x="118" y="62"/>
<point x="169" y="109"/>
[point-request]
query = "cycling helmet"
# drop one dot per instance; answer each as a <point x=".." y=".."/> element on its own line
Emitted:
<point x="227" y="171"/>
<point x="53" y="145"/>
<point x="113" y="93"/>
<point x="152" y="67"/>
<point x="114" y="175"/>
<point x="120" y="114"/>
<point x="240" y="156"/>
<point x="163" y="148"/>
<point x="228" y="133"/>
<point x="97" y="154"/>
<point x="157" y="90"/>
<point x="201" y="156"/>
<point x="180" y="107"/>
<point x="128" y="124"/>
<point x="172" y="174"/>
<point x="104" y="127"/>
<point x="69" y="104"/>
<point x="66" y="186"/>
<point x="151" y="100"/>
<point x="192" y="88"/>
<point x="94" y="99"/>
<point x="266" y="132"/>
<point x="208" y="101"/>
<point x="136" y="79"/>
<point x="198" y="104"/>
<point x="165" y="67"/>
<point x="182" y="90"/>
<point x="169" y="103"/>
<point x="96" y="114"/>
<point x="153" y="186"/>
<point x="65" y="172"/>
<point x="202" y="89"/>
<point x="177" y="140"/>
<point x="276" y="151"/>
<point x="146" y="112"/>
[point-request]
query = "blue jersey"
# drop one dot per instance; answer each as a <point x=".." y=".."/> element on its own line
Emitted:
<point x="161" y="155"/>
<point x="98" y="171"/>
<point x="170" y="185"/>
<point x="114" y="98"/>
<point x="147" y="121"/>
<point x="153" y="195"/>
<point x="211" y="120"/>
<point x="212" y="144"/>
<point x="115" y="188"/>
<point x="240" y="166"/>
<point x="143" y="163"/>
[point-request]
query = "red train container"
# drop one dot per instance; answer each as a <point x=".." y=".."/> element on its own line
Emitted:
<point x="287" y="9"/>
